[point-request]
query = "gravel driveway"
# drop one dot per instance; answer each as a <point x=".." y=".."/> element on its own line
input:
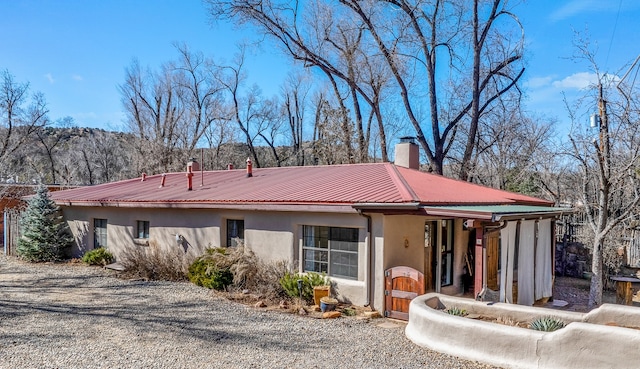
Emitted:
<point x="74" y="316"/>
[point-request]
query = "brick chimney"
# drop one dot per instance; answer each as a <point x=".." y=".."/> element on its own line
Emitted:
<point x="194" y="165"/>
<point x="408" y="153"/>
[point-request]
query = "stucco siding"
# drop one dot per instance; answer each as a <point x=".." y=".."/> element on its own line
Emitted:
<point x="197" y="227"/>
<point x="404" y="241"/>
<point x="395" y="239"/>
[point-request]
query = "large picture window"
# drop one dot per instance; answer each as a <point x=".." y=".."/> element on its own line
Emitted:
<point x="330" y="250"/>
<point x="235" y="232"/>
<point x="99" y="233"/>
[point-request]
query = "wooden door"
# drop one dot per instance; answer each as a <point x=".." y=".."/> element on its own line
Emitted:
<point x="493" y="242"/>
<point x="402" y="284"/>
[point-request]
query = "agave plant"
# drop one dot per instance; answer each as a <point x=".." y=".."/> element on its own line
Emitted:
<point x="454" y="310"/>
<point x="547" y="324"/>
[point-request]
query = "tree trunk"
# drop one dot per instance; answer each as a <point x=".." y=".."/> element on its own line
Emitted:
<point x="595" y="292"/>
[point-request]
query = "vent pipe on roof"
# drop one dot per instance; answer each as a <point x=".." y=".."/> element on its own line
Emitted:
<point x="144" y="176"/>
<point x="189" y="178"/>
<point x="164" y="177"/>
<point x="249" y="168"/>
<point x="408" y="153"/>
<point x="229" y="166"/>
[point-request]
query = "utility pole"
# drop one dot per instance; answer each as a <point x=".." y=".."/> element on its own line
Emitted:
<point x="604" y="155"/>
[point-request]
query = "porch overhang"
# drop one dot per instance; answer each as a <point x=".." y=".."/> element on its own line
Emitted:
<point x="496" y="213"/>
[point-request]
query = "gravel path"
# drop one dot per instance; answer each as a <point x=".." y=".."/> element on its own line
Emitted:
<point x="74" y="316"/>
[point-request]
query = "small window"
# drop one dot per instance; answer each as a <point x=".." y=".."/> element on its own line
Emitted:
<point x="143" y="229"/>
<point x="99" y="233"/>
<point x="235" y="232"/>
<point x="330" y="250"/>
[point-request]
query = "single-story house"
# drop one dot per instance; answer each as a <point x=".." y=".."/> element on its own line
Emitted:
<point x="382" y="232"/>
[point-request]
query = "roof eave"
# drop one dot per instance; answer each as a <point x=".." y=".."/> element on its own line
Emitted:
<point x="386" y="206"/>
<point x="249" y="206"/>
<point x="495" y="216"/>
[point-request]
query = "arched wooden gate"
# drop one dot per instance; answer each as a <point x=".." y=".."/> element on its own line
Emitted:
<point x="402" y="284"/>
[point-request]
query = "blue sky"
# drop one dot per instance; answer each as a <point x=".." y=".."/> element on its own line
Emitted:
<point x="75" y="51"/>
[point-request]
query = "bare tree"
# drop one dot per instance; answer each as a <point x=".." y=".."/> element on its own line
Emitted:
<point x="155" y="114"/>
<point x="329" y="138"/>
<point x="201" y="94"/>
<point x="411" y="37"/>
<point x="509" y="146"/>
<point x="21" y="115"/>
<point x="608" y="159"/>
<point x="245" y="109"/>
<point x="294" y="93"/>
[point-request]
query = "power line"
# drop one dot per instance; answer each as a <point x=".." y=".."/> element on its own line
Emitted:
<point x="615" y="26"/>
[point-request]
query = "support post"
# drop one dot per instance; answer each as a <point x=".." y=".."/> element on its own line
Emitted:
<point x="478" y="260"/>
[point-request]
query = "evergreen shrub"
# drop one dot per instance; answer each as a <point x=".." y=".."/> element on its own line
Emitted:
<point x="44" y="235"/>
<point x="289" y="283"/>
<point x="99" y="256"/>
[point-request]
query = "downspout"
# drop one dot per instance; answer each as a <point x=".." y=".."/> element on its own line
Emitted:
<point x="484" y="257"/>
<point x="367" y="282"/>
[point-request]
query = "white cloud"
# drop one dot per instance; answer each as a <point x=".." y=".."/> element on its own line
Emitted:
<point x="576" y="81"/>
<point x="575" y="7"/>
<point x="49" y="78"/>
<point x="537" y="82"/>
<point x="76" y="77"/>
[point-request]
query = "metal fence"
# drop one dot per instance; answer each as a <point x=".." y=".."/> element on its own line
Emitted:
<point x="572" y="228"/>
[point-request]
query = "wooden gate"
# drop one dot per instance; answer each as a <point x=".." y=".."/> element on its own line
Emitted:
<point x="493" y="242"/>
<point x="11" y="231"/>
<point x="402" y="284"/>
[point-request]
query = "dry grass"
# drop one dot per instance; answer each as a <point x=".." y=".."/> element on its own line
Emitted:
<point x="151" y="263"/>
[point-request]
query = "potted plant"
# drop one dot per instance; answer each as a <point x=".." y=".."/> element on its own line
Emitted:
<point x="328" y="304"/>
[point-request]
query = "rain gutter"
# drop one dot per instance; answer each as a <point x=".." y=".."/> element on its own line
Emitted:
<point x="367" y="283"/>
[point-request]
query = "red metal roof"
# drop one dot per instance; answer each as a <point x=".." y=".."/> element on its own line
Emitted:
<point x="376" y="183"/>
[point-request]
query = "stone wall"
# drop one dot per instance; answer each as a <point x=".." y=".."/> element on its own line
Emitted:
<point x="572" y="259"/>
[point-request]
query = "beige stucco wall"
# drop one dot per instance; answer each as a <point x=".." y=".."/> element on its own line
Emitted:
<point x="398" y="252"/>
<point x="274" y="236"/>
<point x="199" y="228"/>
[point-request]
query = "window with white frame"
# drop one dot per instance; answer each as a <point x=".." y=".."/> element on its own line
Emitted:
<point x="330" y="250"/>
<point x="142" y="229"/>
<point x="235" y="232"/>
<point x="99" y="233"/>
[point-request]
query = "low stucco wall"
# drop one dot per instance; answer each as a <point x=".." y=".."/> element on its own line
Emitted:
<point x="581" y="344"/>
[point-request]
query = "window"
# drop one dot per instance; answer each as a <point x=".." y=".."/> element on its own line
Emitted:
<point x="99" y="233"/>
<point x="143" y="229"/>
<point x="330" y="250"/>
<point x="235" y="232"/>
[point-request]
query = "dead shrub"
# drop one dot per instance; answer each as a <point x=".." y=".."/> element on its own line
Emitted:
<point x="249" y="273"/>
<point x="153" y="263"/>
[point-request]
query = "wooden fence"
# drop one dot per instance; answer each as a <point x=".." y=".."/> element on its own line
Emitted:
<point x="11" y="230"/>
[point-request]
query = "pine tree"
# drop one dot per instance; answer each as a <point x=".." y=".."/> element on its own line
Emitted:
<point x="44" y="234"/>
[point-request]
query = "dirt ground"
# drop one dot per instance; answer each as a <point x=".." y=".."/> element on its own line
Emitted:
<point x="575" y="291"/>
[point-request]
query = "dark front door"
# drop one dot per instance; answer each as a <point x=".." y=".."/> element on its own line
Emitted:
<point x="402" y="284"/>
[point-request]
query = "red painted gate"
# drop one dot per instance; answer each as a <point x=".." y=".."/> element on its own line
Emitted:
<point x="402" y="284"/>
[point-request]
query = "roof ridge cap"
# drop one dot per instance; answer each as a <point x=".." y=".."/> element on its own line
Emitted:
<point x="401" y="183"/>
